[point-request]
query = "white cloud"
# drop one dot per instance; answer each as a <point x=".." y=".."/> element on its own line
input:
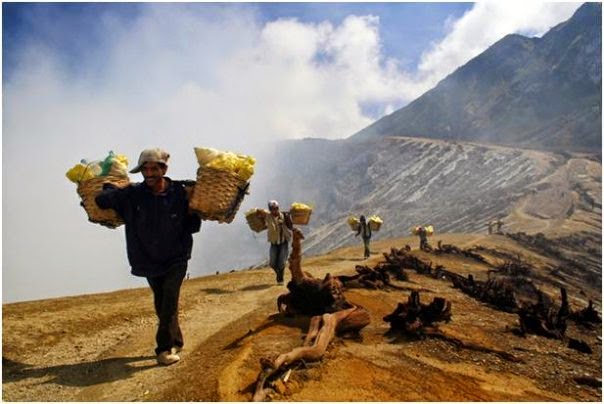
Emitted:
<point x="483" y="25"/>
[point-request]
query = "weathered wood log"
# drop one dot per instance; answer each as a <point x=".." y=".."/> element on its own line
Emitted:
<point x="514" y="267"/>
<point x="295" y="258"/>
<point x="321" y="331"/>
<point x="311" y="296"/>
<point x="451" y="249"/>
<point x="404" y="259"/>
<point x="324" y="300"/>
<point x="504" y="293"/>
<point x="543" y="319"/>
<point x="587" y="316"/>
<point x="413" y="317"/>
<point x="371" y="278"/>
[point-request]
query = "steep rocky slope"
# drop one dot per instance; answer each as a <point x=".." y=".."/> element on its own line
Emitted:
<point x="455" y="186"/>
<point x="543" y="93"/>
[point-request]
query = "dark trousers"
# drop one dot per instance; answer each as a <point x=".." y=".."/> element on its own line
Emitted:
<point x="366" y="244"/>
<point x="166" y="291"/>
<point x="277" y="258"/>
<point x="423" y="243"/>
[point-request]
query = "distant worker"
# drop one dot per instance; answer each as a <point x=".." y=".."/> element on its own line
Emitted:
<point x="279" y="234"/>
<point x="159" y="228"/>
<point x="423" y="239"/>
<point x="365" y="231"/>
<point x="499" y="223"/>
<point x="490" y="224"/>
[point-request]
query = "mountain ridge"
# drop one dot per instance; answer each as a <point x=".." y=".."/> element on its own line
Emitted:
<point x="455" y="186"/>
<point x="542" y="93"/>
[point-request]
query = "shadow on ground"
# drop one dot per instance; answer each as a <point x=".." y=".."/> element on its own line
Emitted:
<point x="76" y="374"/>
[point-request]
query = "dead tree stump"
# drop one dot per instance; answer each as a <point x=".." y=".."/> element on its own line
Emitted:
<point x="413" y="317"/>
<point x="587" y="317"/>
<point x="544" y="319"/>
<point x="322" y="299"/>
<point x="377" y="277"/>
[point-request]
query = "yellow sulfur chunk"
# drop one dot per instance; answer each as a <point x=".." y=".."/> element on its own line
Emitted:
<point x="376" y="219"/>
<point x="81" y="172"/>
<point x="300" y="206"/>
<point x="240" y="165"/>
<point x="416" y="229"/>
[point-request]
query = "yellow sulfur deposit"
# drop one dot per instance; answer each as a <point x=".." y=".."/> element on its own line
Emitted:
<point x="354" y="223"/>
<point x="239" y="164"/>
<point x="114" y="165"/>
<point x="375" y="222"/>
<point x="429" y="230"/>
<point x="119" y="166"/>
<point x="83" y="172"/>
<point x="376" y="219"/>
<point x="300" y="206"/>
<point x="300" y="213"/>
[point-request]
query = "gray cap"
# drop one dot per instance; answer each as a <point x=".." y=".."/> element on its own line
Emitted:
<point x="155" y="155"/>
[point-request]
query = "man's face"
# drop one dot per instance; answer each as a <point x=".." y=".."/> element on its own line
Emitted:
<point x="274" y="211"/>
<point x="153" y="173"/>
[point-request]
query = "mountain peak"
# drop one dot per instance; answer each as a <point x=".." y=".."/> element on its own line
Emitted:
<point x="542" y="93"/>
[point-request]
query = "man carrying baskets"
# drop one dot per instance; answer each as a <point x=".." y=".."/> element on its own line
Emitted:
<point x="279" y="233"/>
<point x="365" y="231"/>
<point x="158" y="240"/>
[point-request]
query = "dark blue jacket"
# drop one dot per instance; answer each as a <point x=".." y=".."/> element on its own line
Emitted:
<point x="158" y="227"/>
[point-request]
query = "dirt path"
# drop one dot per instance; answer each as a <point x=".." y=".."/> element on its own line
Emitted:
<point x="103" y="350"/>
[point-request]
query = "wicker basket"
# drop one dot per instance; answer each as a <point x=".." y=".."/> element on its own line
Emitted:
<point x="217" y="194"/>
<point x="299" y="216"/>
<point x="374" y="226"/>
<point x="88" y="190"/>
<point x="255" y="219"/>
<point x="353" y="223"/>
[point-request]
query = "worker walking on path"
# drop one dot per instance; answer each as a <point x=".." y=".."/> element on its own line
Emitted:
<point x="159" y="228"/>
<point x="279" y="234"/>
<point x="423" y="232"/>
<point x="365" y="232"/>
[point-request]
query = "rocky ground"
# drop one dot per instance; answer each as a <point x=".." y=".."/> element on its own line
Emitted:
<point x="100" y="347"/>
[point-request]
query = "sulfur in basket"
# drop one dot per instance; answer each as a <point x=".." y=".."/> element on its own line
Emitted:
<point x="255" y="219"/>
<point x="354" y="223"/>
<point x="375" y="223"/>
<point x="300" y="213"/>
<point x="89" y="189"/>
<point x="217" y="194"/>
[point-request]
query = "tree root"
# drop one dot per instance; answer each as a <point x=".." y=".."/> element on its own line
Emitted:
<point x="322" y="330"/>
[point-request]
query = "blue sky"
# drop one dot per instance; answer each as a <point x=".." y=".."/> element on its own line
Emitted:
<point x="80" y="80"/>
<point x="73" y="29"/>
